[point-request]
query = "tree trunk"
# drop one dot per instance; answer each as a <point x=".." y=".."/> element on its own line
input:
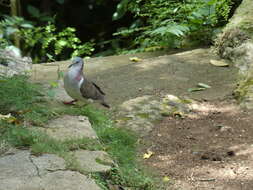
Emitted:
<point x="16" y="11"/>
<point x="236" y="44"/>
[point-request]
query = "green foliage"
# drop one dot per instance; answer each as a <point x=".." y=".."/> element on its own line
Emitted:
<point x="10" y="26"/>
<point x="166" y="23"/>
<point x="43" y="43"/>
<point x="36" y="14"/>
<point x="54" y="44"/>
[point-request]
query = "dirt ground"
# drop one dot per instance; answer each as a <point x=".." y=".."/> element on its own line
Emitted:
<point x="212" y="148"/>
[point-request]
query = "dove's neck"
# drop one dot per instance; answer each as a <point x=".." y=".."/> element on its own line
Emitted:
<point x="76" y="73"/>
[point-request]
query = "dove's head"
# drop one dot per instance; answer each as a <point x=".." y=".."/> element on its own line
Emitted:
<point x="77" y="62"/>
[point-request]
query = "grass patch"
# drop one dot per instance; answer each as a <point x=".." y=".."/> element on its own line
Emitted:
<point x="23" y="137"/>
<point x="39" y="142"/>
<point x="23" y="100"/>
<point x="29" y="108"/>
<point x="121" y="145"/>
<point x="84" y="143"/>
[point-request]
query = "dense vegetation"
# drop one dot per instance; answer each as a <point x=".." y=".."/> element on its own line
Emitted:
<point x="55" y="30"/>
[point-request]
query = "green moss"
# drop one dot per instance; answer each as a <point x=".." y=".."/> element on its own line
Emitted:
<point x="103" y="162"/>
<point x="72" y="163"/>
<point x="143" y="115"/>
<point x="230" y="38"/>
<point x="84" y="143"/>
<point x="242" y="89"/>
<point x="125" y="118"/>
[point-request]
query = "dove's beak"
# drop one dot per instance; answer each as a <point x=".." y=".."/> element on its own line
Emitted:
<point x="70" y="65"/>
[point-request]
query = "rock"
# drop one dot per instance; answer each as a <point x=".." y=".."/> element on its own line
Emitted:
<point x="12" y="63"/>
<point x="172" y="105"/>
<point x="4" y="147"/>
<point x="48" y="163"/>
<point x="70" y="127"/>
<point x="132" y="103"/>
<point x="138" y="114"/>
<point x="94" y="161"/>
<point x="235" y="44"/>
<point x="59" y="180"/>
<point x="140" y="126"/>
<point x="16" y="169"/>
<point x="22" y="171"/>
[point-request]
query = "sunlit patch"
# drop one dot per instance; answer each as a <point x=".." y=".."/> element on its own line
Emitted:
<point x="149" y="66"/>
<point x="204" y="109"/>
<point x="243" y="149"/>
<point x="164" y="157"/>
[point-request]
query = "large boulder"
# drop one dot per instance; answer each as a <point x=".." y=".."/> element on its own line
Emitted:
<point x="235" y="43"/>
<point x="12" y="62"/>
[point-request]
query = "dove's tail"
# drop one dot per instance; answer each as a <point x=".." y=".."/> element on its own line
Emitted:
<point x="105" y="104"/>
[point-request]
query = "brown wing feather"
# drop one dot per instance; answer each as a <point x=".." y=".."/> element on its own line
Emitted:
<point x="99" y="89"/>
<point x="89" y="90"/>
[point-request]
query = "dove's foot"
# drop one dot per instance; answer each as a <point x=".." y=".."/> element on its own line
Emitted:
<point x="72" y="102"/>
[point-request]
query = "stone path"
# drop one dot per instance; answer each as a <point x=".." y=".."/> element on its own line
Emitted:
<point x="20" y="170"/>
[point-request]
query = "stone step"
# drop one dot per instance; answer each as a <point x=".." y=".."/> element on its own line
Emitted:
<point x="22" y="171"/>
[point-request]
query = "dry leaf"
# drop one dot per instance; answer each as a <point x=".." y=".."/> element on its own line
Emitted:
<point x="135" y="59"/>
<point x="148" y="154"/>
<point x="9" y="118"/>
<point x="166" y="179"/>
<point x="219" y="63"/>
<point x="178" y="114"/>
<point x="4" y="117"/>
<point x="195" y="89"/>
<point x="203" y="85"/>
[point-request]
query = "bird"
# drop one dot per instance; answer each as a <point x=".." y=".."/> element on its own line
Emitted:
<point x="79" y="87"/>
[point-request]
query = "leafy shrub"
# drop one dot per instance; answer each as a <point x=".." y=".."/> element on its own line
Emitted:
<point x="166" y="23"/>
<point x="10" y="26"/>
<point x="53" y="44"/>
<point x="42" y="43"/>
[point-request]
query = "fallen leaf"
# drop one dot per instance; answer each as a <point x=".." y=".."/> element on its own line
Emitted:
<point x="148" y="154"/>
<point x="195" y="89"/>
<point x="9" y="118"/>
<point x="166" y="179"/>
<point x="178" y="114"/>
<point x="3" y="117"/>
<point x="203" y="85"/>
<point x="135" y="59"/>
<point x="219" y="63"/>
